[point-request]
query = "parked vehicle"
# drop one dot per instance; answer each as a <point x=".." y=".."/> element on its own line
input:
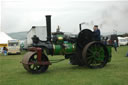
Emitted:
<point x="13" y="47"/>
<point x="126" y="39"/>
<point x="122" y="41"/>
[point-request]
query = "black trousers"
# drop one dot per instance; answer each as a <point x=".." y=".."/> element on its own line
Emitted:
<point x="115" y="48"/>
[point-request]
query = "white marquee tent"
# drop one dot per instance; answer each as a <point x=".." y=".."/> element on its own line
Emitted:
<point x="4" y="38"/>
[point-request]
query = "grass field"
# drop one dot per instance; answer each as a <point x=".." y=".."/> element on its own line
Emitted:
<point x="114" y="73"/>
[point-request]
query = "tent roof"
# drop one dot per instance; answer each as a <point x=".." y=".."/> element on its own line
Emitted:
<point x="4" y="38"/>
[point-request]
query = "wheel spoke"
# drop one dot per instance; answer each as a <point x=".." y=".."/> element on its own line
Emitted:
<point x="90" y="57"/>
<point x="89" y="50"/>
<point x="31" y="66"/>
<point x="90" y="61"/>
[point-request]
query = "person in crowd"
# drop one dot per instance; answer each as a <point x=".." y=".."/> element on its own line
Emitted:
<point x="115" y="45"/>
<point x="5" y="51"/>
<point x="21" y="46"/>
<point x="127" y="54"/>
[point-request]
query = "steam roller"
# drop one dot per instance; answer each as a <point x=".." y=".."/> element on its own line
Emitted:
<point x="81" y="49"/>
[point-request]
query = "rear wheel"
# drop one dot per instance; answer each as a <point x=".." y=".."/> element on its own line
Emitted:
<point x="95" y="55"/>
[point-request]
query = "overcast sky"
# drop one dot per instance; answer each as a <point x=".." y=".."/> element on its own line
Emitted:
<point x="21" y="15"/>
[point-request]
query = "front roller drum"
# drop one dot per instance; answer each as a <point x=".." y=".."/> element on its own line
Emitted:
<point x="95" y="55"/>
<point x="31" y="64"/>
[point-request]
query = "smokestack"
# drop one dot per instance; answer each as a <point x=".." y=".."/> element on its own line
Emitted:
<point x="80" y="27"/>
<point x="48" y="25"/>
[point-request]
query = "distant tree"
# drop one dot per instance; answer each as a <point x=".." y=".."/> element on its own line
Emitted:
<point x="123" y="35"/>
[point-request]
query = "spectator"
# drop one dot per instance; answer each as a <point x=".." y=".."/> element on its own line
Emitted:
<point x="127" y="54"/>
<point x="5" y="51"/>
<point x="105" y="42"/>
<point x="115" y="45"/>
<point x="22" y="46"/>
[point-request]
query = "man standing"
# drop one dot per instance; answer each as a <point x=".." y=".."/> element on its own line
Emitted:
<point x="96" y="33"/>
<point x="115" y="45"/>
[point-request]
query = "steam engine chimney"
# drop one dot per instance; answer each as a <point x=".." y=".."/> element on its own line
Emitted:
<point x="80" y="27"/>
<point x="48" y="25"/>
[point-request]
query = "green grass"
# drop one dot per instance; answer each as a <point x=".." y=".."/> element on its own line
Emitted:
<point x="114" y="73"/>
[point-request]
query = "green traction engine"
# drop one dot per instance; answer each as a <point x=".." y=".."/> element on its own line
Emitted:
<point x="81" y="50"/>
